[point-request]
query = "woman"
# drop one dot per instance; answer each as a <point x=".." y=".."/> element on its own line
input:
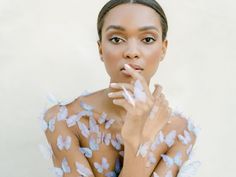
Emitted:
<point x="123" y="130"/>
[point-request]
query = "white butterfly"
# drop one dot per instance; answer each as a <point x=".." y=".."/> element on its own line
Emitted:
<point x="139" y="93"/>
<point x="192" y="127"/>
<point x="189" y="169"/>
<point x="85" y="113"/>
<point x="62" y="114"/>
<point x="158" y="140"/>
<point x="102" y="166"/>
<point x="86" y="106"/>
<point x="93" y="126"/>
<point x="63" y="143"/>
<point x="83" y="128"/>
<point x="52" y="99"/>
<point x="111" y="174"/>
<point x="65" y="166"/>
<point x="171" y="161"/>
<point x="170" y="138"/>
<point x="104" y="138"/>
<point x="186" y="138"/>
<point x="50" y="125"/>
<point x="72" y="120"/>
<point x="116" y="143"/>
<point x="128" y="96"/>
<point x="102" y="118"/>
<point x="82" y="170"/>
<point x="58" y="172"/>
<point x="46" y="151"/>
<point x="151" y="159"/>
<point x="93" y="144"/>
<point x="86" y="151"/>
<point x="143" y="149"/>
<point x="85" y="93"/>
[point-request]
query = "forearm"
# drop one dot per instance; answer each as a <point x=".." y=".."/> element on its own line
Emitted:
<point x="134" y="165"/>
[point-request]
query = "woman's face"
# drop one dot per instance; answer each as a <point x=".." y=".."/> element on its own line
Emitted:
<point x="131" y="34"/>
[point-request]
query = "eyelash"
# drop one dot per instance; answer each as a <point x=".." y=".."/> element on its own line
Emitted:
<point x="144" y="38"/>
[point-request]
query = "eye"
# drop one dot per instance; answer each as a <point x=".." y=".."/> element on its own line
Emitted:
<point x="148" y="39"/>
<point x="115" y="40"/>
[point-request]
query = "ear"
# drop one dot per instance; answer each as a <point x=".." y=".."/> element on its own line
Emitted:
<point x="164" y="48"/>
<point x="100" y="49"/>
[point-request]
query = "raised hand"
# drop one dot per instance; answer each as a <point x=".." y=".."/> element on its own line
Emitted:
<point x="145" y="110"/>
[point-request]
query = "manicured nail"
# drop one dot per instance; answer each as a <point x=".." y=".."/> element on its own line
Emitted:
<point x="113" y="84"/>
<point x="110" y="94"/>
<point x="127" y="66"/>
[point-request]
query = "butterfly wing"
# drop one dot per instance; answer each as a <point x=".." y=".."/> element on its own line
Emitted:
<point x="65" y="166"/>
<point x="105" y="164"/>
<point x="139" y="93"/>
<point x="109" y="123"/>
<point x="58" y="172"/>
<point x="168" y="160"/>
<point x="51" y="124"/>
<point x="60" y="142"/>
<point x="93" y="144"/>
<point x="67" y="143"/>
<point x="170" y="138"/>
<point x="84" y="130"/>
<point x="102" y="118"/>
<point x="62" y="114"/>
<point x="87" y="152"/>
<point x="82" y="170"/>
<point x="98" y="167"/>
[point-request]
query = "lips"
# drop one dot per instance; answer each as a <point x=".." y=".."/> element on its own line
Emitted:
<point x="134" y="66"/>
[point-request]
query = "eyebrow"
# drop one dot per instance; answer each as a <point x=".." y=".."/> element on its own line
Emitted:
<point x="117" y="27"/>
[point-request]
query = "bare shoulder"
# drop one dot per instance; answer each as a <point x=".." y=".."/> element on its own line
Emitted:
<point x="51" y="112"/>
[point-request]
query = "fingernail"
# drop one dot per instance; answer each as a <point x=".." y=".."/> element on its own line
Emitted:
<point x="127" y="66"/>
<point x="113" y="84"/>
<point x="110" y="94"/>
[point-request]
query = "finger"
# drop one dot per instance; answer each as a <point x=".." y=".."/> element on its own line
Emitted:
<point x="137" y="76"/>
<point x="156" y="93"/>
<point x="123" y="103"/>
<point x="120" y="85"/>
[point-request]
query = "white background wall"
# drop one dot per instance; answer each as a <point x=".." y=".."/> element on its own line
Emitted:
<point x="50" y="46"/>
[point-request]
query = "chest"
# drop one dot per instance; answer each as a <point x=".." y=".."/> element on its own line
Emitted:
<point x="102" y="145"/>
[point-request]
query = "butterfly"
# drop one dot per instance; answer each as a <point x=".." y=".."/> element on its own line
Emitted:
<point x="103" y="119"/>
<point x="46" y="151"/>
<point x="63" y="143"/>
<point x="72" y="120"/>
<point x="171" y="161"/>
<point x="158" y="140"/>
<point x="86" y="106"/>
<point x="151" y="159"/>
<point x="93" y="126"/>
<point x="102" y="166"/>
<point x="93" y="144"/>
<point x="189" y="168"/>
<point x="82" y="170"/>
<point x="103" y="137"/>
<point x="86" y="151"/>
<point x="139" y="93"/>
<point x="186" y="138"/>
<point x="85" y="113"/>
<point x="170" y="138"/>
<point x="50" y="125"/>
<point x="116" y="143"/>
<point x="192" y="127"/>
<point x="65" y="166"/>
<point x="84" y="130"/>
<point x="143" y="149"/>
<point x="62" y="114"/>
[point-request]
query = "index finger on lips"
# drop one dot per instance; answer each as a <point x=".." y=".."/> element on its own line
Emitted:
<point x="139" y="77"/>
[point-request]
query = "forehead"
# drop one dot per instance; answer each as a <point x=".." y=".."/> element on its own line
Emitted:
<point x="132" y="16"/>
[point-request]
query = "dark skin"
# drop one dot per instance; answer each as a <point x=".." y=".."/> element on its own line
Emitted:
<point x="119" y="46"/>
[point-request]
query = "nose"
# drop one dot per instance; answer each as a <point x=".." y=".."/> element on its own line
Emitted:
<point x="131" y="50"/>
